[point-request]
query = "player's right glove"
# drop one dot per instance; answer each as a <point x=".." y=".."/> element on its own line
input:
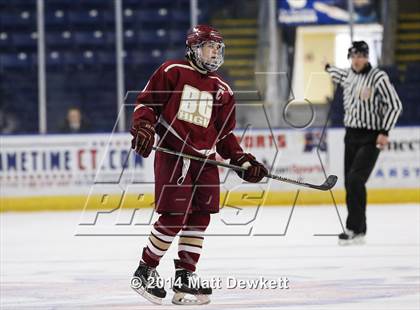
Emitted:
<point x="143" y="138"/>
<point x="255" y="172"/>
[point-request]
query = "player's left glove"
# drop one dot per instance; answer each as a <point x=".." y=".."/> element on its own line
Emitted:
<point x="255" y="172"/>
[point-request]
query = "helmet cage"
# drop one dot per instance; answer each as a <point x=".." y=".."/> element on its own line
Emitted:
<point x="209" y="64"/>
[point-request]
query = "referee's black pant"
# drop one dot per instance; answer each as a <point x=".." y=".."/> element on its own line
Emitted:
<point x="360" y="156"/>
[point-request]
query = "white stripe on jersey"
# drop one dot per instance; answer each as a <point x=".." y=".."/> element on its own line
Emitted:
<point x="141" y="106"/>
<point x="178" y="65"/>
<point x="191" y="68"/>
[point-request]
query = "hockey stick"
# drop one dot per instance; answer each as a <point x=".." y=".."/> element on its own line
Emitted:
<point x="328" y="184"/>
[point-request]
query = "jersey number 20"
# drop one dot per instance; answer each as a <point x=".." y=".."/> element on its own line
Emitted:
<point x="195" y="106"/>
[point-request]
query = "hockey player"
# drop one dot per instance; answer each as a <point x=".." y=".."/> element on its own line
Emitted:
<point x="192" y="110"/>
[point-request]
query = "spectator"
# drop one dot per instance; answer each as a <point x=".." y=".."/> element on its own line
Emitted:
<point x="75" y="122"/>
<point x="8" y="122"/>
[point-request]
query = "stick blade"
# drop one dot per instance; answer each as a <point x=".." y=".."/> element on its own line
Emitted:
<point x="329" y="183"/>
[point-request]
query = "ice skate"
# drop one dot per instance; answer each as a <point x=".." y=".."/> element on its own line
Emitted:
<point x="350" y="238"/>
<point x="147" y="282"/>
<point x="189" y="289"/>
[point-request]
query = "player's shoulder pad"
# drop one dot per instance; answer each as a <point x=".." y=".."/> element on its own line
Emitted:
<point x="222" y="83"/>
<point x="176" y="65"/>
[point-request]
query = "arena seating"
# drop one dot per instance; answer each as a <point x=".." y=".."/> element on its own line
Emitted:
<point x="80" y="57"/>
<point x="80" y="54"/>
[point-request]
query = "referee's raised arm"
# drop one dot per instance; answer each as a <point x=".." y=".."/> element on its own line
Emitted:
<point x="338" y="75"/>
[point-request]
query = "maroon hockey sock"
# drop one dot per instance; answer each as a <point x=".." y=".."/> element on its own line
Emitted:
<point x="163" y="233"/>
<point x="191" y="241"/>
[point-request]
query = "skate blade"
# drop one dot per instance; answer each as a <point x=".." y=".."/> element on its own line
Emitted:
<point x="140" y="290"/>
<point x="188" y="299"/>
<point x="355" y="241"/>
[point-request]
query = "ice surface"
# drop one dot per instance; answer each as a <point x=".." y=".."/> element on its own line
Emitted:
<point x="45" y="266"/>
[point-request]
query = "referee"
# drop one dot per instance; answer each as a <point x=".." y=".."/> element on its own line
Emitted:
<point x="371" y="109"/>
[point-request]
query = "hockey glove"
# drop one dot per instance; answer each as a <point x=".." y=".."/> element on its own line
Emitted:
<point x="143" y="138"/>
<point x="255" y="172"/>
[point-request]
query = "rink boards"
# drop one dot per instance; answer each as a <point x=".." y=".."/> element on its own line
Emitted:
<point x="98" y="171"/>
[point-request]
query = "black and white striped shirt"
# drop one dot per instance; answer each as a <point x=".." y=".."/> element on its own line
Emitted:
<point x="370" y="100"/>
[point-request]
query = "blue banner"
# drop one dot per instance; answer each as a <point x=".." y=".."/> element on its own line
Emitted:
<point x="324" y="12"/>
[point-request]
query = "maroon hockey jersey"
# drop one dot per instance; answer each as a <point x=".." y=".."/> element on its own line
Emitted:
<point x="193" y="111"/>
